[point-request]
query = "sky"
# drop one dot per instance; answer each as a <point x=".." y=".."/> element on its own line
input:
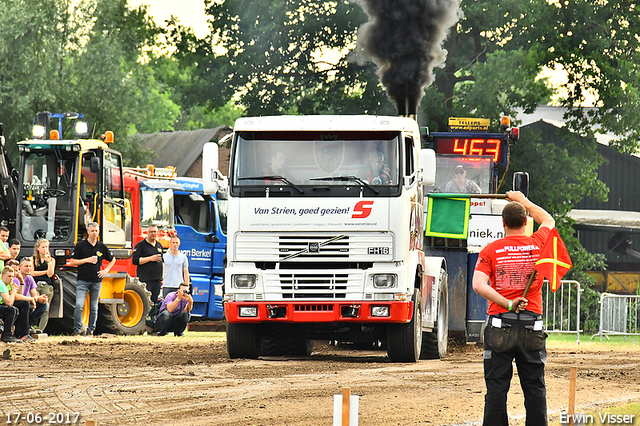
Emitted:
<point x="189" y="12"/>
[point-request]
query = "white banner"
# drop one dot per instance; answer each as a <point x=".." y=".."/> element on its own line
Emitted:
<point x="484" y="229"/>
<point x="313" y="214"/>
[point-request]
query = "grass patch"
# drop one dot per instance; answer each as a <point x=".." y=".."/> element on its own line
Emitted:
<point x="568" y="341"/>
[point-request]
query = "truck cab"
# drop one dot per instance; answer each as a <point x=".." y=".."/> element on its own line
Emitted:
<point x="201" y="224"/>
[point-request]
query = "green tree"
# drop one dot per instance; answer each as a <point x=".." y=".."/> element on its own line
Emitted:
<point x="87" y="57"/>
<point x="275" y="63"/>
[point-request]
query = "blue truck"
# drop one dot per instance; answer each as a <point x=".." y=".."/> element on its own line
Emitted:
<point x="201" y="224"/>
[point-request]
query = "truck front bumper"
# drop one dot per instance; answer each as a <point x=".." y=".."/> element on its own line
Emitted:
<point x="317" y="311"/>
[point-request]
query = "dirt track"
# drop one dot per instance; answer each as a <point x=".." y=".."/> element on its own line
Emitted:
<point x="191" y="381"/>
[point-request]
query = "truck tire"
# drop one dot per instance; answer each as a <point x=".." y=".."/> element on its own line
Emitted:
<point x="127" y="318"/>
<point x="277" y="346"/>
<point x="434" y="343"/>
<point x="243" y="341"/>
<point x="404" y="341"/>
<point x="64" y="325"/>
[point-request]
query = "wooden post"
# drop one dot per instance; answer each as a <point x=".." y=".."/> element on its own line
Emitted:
<point x="346" y="399"/>
<point x="572" y="394"/>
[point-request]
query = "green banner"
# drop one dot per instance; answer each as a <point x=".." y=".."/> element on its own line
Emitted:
<point x="448" y="216"/>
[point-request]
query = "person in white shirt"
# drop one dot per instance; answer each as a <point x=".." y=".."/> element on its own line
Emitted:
<point x="176" y="267"/>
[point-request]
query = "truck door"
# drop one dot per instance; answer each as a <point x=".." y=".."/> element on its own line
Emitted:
<point x="196" y="227"/>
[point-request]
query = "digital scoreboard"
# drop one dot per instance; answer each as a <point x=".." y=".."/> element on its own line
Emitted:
<point x="472" y="144"/>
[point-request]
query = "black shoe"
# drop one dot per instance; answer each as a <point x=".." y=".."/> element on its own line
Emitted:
<point x="11" y="339"/>
<point x="77" y="333"/>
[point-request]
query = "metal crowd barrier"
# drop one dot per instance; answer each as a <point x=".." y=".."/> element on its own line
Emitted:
<point x="562" y="308"/>
<point x="619" y="315"/>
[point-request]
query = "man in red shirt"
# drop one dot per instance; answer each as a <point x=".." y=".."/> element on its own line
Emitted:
<point x="514" y="327"/>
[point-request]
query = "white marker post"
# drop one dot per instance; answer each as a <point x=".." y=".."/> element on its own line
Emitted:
<point x="345" y="408"/>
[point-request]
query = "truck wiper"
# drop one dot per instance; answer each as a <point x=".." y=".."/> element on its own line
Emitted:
<point x="347" y="179"/>
<point x="274" y="177"/>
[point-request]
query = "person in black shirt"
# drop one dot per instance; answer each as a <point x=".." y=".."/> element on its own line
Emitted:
<point x="147" y="254"/>
<point x="88" y="256"/>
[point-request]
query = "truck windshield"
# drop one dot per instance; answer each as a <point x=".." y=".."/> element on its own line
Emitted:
<point x="301" y="157"/>
<point x="156" y="208"/>
<point x="464" y="175"/>
<point x="48" y="195"/>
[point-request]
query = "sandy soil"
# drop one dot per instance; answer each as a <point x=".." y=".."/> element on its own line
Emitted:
<point x="147" y="380"/>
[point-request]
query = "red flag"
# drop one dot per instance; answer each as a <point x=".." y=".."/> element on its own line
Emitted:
<point x="554" y="260"/>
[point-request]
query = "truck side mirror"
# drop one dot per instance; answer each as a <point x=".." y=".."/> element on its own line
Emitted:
<point x="210" y="171"/>
<point x="521" y="182"/>
<point x="94" y="165"/>
<point x="211" y="238"/>
<point x="427" y="166"/>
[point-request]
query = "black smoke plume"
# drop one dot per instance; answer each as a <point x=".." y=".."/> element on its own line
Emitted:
<point x="404" y="39"/>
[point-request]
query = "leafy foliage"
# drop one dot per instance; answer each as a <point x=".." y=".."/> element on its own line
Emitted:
<point x="64" y="56"/>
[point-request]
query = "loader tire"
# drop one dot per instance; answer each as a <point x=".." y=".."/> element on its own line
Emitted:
<point x="64" y="325"/>
<point x="129" y="317"/>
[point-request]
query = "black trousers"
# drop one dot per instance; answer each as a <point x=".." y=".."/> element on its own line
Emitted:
<point x="515" y="340"/>
<point x="154" y="287"/>
<point x="176" y="323"/>
<point x="8" y="314"/>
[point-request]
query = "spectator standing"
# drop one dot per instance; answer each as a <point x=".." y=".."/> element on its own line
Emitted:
<point x="514" y="328"/>
<point x="88" y="256"/>
<point x="175" y="312"/>
<point x="176" y="267"/>
<point x="15" y="312"/>
<point x="147" y="255"/>
<point x="39" y="302"/>
<point x="4" y="250"/>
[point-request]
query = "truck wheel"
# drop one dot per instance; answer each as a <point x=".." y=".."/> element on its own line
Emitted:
<point x="64" y="325"/>
<point x="130" y="316"/>
<point x="276" y="346"/>
<point x="243" y="341"/>
<point x="405" y="340"/>
<point x="435" y="342"/>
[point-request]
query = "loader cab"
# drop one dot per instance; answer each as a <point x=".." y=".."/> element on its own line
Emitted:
<point x="63" y="186"/>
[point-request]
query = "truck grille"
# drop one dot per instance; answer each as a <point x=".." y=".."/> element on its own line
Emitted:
<point x="305" y="247"/>
<point x="313" y="284"/>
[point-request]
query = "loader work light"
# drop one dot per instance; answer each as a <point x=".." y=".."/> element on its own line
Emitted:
<point x="38" y="131"/>
<point x="81" y="128"/>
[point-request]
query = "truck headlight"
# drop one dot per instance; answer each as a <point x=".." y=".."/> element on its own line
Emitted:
<point x="379" y="311"/>
<point x="384" y="280"/>
<point x="244" y="281"/>
<point x="248" y="311"/>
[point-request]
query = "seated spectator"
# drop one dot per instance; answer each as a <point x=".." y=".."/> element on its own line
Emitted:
<point x="8" y="312"/>
<point x="29" y="292"/>
<point x="14" y="248"/>
<point x="175" y="312"/>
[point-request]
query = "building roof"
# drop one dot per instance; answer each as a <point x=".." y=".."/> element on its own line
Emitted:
<point x="555" y="115"/>
<point x="181" y="148"/>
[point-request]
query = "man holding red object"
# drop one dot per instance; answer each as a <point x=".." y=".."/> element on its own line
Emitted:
<point x="514" y="326"/>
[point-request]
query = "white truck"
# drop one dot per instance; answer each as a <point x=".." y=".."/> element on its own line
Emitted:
<point x="325" y="238"/>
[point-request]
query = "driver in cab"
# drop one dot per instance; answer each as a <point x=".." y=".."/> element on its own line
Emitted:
<point x="377" y="173"/>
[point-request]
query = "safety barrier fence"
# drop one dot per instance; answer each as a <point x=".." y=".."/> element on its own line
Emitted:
<point x="562" y="308"/>
<point x="619" y="315"/>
